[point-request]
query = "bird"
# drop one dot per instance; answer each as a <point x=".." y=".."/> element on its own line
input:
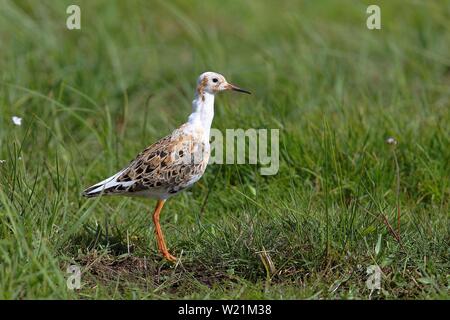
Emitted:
<point x="173" y="163"/>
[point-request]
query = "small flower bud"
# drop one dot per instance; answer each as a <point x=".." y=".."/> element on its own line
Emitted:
<point x="391" y="141"/>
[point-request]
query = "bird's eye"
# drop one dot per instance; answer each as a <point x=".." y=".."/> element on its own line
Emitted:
<point x="215" y="80"/>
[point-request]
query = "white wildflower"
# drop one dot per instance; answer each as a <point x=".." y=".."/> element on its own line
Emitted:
<point x="17" y="121"/>
<point x="391" y="141"/>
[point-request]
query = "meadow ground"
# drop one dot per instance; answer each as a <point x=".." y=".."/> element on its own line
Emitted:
<point x="91" y="99"/>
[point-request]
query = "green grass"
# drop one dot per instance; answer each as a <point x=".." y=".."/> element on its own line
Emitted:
<point x="91" y="99"/>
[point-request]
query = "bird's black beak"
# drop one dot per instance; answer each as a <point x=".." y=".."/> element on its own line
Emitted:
<point x="236" y="88"/>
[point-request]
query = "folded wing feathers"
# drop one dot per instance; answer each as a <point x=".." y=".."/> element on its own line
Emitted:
<point x="105" y="185"/>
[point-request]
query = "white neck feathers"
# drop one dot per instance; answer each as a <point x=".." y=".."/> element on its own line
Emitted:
<point x="202" y="111"/>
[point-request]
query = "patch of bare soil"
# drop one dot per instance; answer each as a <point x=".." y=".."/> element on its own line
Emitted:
<point x="145" y="272"/>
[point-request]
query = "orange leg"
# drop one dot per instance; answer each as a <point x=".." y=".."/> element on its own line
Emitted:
<point x="159" y="235"/>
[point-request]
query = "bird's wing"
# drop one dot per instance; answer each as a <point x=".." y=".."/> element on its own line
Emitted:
<point x="165" y="165"/>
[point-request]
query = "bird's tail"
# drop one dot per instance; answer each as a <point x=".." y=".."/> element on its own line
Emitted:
<point x="104" y="187"/>
<point x="92" y="191"/>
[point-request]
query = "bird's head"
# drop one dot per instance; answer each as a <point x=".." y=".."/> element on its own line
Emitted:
<point x="212" y="82"/>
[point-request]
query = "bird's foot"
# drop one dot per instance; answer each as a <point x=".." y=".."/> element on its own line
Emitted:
<point x="169" y="257"/>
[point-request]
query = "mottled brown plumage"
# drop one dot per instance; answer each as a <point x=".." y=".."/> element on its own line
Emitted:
<point x="166" y="167"/>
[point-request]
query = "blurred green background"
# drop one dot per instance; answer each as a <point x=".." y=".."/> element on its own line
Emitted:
<point x="91" y="99"/>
